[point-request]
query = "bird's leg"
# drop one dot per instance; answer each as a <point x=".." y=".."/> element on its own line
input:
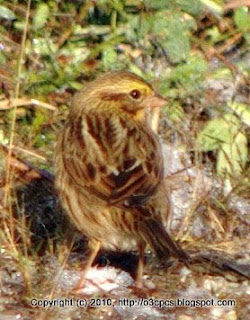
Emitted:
<point x="94" y="248"/>
<point x="140" y="267"/>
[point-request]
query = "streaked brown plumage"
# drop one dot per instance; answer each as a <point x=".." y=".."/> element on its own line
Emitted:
<point x="109" y="169"/>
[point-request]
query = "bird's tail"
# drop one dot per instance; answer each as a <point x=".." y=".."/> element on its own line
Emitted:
<point x="158" y="239"/>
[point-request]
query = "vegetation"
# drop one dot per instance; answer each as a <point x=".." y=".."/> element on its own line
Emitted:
<point x="196" y="53"/>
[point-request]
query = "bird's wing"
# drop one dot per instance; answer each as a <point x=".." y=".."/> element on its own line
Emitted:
<point x="113" y="160"/>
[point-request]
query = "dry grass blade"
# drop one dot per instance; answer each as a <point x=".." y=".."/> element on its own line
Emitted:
<point x="25" y="171"/>
<point x="236" y="4"/>
<point x="13" y="103"/>
<point x="13" y="122"/>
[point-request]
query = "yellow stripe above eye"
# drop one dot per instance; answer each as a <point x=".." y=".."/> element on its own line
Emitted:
<point x="131" y="85"/>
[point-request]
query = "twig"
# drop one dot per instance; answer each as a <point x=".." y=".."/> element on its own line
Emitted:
<point x="16" y="102"/>
<point x="24" y="169"/>
<point x="236" y="4"/>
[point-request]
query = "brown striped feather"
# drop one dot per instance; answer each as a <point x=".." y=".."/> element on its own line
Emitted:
<point x="109" y="168"/>
<point x="116" y="183"/>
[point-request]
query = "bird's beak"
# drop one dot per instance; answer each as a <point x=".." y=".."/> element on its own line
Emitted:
<point x="158" y="101"/>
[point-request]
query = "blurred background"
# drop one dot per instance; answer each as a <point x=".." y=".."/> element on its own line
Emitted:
<point x="196" y="53"/>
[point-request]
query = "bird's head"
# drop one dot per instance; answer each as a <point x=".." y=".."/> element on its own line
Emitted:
<point x="121" y="92"/>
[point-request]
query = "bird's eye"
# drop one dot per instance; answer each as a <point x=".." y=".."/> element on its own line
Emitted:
<point x="135" y="94"/>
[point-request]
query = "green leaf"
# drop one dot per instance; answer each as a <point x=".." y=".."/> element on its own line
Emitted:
<point x="144" y="26"/>
<point x="177" y="46"/>
<point x="75" y="85"/>
<point x="41" y="16"/>
<point x="218" y="131"/>
<point x="232" y="157"/>
<point x="38" y="120"/>
<point x="185" y="80"/>
<point x="109" y="58"/>
<point x="242" y="110"/>
<point x="175" y="112"/>
<point x="173" y="35"/>
<point x="19" y="25"/>
<point x="135" y="69"/>
<point x="214" y="133"/>
<point x="214" y="34"/>
<point x="42" y="46"/>
<point x="3" y="59"/>
<point x="3" y="139"/>
<point x="6" y="13"/>
<point x="194" y="8"/>
<point x="158" y="4"/>
<point x="191" y="73"/>
<point x="246" y="36"/>
<point x="242" y="18"/>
